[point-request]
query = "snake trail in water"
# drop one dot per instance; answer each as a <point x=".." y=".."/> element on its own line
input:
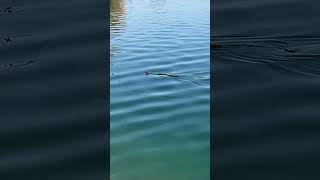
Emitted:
<point x="203" y="80"/>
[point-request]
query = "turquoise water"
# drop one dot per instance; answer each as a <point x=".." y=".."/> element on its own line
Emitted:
<point x="160" y="120"/>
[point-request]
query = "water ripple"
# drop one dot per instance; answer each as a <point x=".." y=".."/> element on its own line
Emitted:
<point x="295" y="54"/>
<point x="159" y="96"/>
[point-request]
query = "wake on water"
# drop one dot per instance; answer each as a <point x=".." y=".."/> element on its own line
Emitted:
<point x="202" y="78"/>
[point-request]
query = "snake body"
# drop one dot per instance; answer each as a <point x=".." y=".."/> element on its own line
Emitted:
<point x="162" y="74"/>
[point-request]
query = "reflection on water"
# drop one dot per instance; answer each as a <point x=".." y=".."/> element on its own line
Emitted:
<point x="117" y="15"/>
<point x="117" y="22"/>
<point x="159" y="96"/>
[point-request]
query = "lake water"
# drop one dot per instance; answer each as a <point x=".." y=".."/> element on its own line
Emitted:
<point x="160" y="89"/>
<point x="53" y="104"/>
<point x="266" y="89"/>
<point x="53" y="101"/>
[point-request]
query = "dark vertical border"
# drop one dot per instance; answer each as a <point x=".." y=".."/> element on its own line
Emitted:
<point x="212" y="76"/>
<point x="43" y="133"/>
<point x="107" y="84"/>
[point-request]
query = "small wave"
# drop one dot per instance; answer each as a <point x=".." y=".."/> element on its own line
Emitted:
<point x="13" y="65"/>
<point x="297" y="54"/>
<point x="196" y="78"/>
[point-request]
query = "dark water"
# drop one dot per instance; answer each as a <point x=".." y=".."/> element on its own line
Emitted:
<point x="160" y="120"/>
<point x="266" y="89"/>
<point x="53" y="90"/>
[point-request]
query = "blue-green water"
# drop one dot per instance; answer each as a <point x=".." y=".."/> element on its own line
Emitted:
<point x="160" y="122"/>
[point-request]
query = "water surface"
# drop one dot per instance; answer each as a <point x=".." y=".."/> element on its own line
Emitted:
<point x="266" y="89"/>
<point x="160" y="120"/>
<point x="52" y="94"/>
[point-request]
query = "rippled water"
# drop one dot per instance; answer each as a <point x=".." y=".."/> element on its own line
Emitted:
<point x="266" y="89"/>
<point x="160" y="89"/>
<point x="52" y="94"/>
